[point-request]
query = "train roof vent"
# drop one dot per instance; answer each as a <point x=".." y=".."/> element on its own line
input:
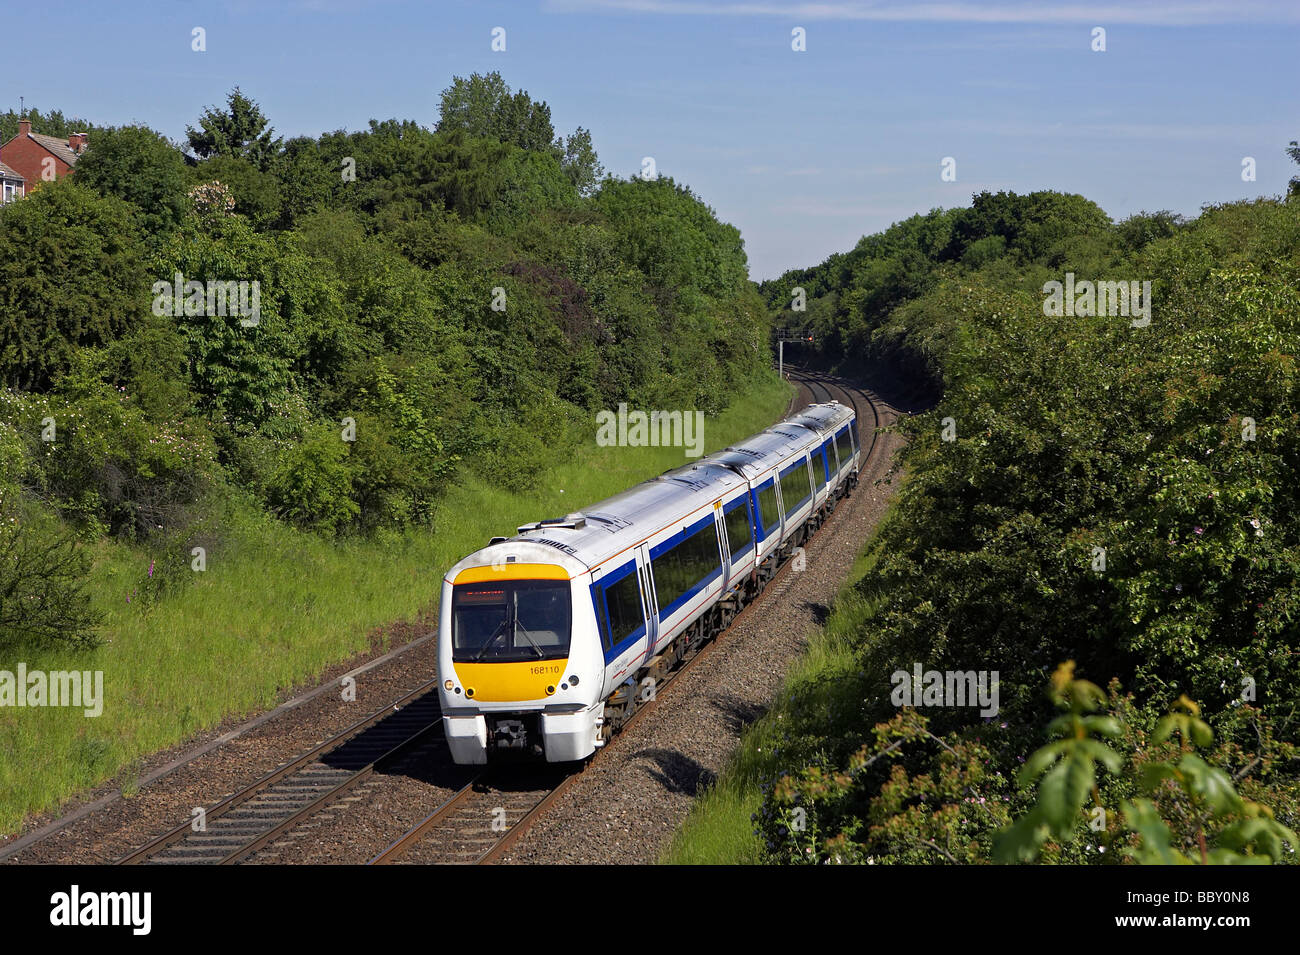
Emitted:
<point x="752" y="454"/>
<point x="498" y="540"/>
<point x="612" y="524"/>
<point x="572" y="521"/>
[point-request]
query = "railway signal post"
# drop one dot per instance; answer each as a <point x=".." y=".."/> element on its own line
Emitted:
<point x="784" y="335"/>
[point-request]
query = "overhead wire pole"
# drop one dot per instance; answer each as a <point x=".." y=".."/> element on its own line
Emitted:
<point x="784" y="335"/>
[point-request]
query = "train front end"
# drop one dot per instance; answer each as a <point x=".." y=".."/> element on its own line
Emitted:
<point x="519" y="661"/>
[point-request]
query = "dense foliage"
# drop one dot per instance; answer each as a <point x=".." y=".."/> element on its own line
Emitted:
<point x="1086" y="488"/>
<point x="412" y="301"/>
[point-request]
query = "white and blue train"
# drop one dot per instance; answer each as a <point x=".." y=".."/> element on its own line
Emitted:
<point x="547" y="641"/>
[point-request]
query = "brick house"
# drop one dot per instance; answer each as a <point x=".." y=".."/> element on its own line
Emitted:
<point x="12" y="185"/>
<point x="37" y="158"/>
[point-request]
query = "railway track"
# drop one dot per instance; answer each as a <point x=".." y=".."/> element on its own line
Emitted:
<point x="485" y="818"/>
<point x="478" y="824"/>
<point x="265" y="810"/>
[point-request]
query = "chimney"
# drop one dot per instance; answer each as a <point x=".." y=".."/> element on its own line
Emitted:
<point x="77" y="142"/>
<point x="24" y="127"/>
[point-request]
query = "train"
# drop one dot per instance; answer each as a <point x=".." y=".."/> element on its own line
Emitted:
<point x="548" y="641"/>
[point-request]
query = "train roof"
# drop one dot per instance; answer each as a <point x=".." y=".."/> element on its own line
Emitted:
<point x="609" y="527"/>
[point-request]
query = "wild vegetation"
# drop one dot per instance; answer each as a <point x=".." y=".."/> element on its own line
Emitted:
<point x="1089" y="488"/>
<point x="212" y="497"/>
<point x="212" y="504"/>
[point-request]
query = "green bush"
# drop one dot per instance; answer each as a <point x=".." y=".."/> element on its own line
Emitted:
<point x="72" y="274"/>
<point x="43" y="601"/>
<point x="95" y="456"/>
<point x="1084" y="489"/>
<point x="312" y="484"/>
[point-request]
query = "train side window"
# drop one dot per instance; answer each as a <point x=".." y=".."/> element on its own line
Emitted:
<point x="819" y="468"/>
<point x="681" y="565"/>
<point x="832" y="466"/>
<point x="739" y="533"/>
<point x="842" y="446"/>
<point x="767" y="506"/>
<point x="796" y="486"/>
<point x="623" y="604"/>
<point x="602" y="614"/>
<point x="853" y="427"/>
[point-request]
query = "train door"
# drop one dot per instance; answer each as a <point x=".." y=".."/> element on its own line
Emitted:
<point x="721" y="525"/>
<point x="780" y="504"/>
<point x="648" y="596"/>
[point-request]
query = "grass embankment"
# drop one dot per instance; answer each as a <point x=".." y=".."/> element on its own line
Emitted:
<point x="274" y="608"/>
<point x="820" y="689"/>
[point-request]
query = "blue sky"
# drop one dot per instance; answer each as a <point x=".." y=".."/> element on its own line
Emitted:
<point x="803" y="151"/>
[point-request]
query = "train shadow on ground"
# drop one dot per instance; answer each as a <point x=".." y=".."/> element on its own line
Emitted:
<point x="819" y="611"/>
<point x="676" y="772"/>
<point x="737" y="712"/>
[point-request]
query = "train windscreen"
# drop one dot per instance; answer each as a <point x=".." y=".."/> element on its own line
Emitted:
<point x="510" y="621"/>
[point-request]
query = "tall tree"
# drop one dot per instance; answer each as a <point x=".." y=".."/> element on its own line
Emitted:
<point x="240" y="131"/>
<point x="486" y="106"/>
<point x="580" y="162"/>
<point x="72" y="274"/>
<point x="136" y="164"/>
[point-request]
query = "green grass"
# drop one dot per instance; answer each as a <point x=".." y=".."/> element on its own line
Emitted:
<point x="817" y="693"/>
<point x="274" y="609"/>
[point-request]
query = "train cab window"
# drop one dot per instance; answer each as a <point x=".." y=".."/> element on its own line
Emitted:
<point x="832" y="466"/>
<point x="739" y="533"/>
<point x="623" y="615"/>
<point x="767" y="512"/>
<point x="682" y="563"/>
<point x="796" y="486"/>
<point x="853" y="427"/>
<point x="510" y="621"/>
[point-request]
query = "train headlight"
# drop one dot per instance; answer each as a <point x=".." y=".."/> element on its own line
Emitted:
<point x="573" y="680"/>
<point x="550" y="690"/>
<point x="447" y="685"/>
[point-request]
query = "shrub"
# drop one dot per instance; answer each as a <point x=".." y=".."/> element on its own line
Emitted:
<point x="107" y="466"/>
<point x="312" y="484"/>
<point x="42" y="572"/>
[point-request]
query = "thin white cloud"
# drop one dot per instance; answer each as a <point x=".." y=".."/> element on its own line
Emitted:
<point x="1096" y="132"/>
<point x="1171" y="13"/>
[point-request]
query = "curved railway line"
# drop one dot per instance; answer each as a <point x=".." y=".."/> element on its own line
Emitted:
<point x="479" y="823"/>
<point x="484" y="819"/>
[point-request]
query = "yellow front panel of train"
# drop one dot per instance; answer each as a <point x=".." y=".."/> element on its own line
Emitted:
<point x="478" y="575"/>
<point x="511" y="682"/>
